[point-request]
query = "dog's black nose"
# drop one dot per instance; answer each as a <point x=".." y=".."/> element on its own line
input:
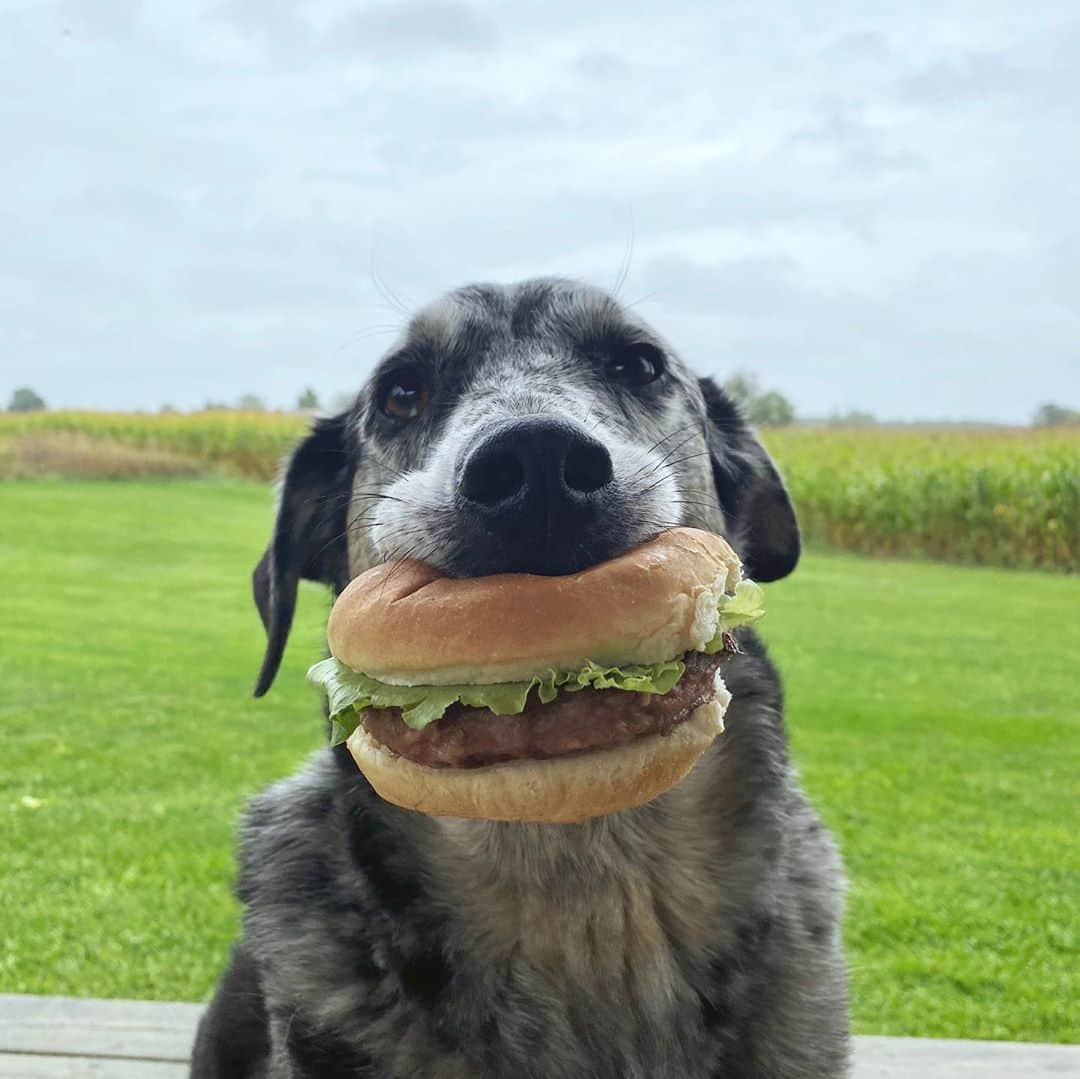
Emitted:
<point x="536" y="484"/>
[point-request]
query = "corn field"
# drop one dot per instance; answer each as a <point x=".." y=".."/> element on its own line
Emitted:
<point x="1004" y="497"/>
<point x="248" y="443"/>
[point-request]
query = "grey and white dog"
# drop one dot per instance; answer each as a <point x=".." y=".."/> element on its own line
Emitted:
<point x="534" y="428"/>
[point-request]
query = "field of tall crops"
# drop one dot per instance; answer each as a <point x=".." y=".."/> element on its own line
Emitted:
<point x="248" y="443"/>
<point x="1005" y="497"/>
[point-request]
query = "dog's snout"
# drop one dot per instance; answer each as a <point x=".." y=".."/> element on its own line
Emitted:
<point x="546" y="465"/>
<point x="536" y="479"/>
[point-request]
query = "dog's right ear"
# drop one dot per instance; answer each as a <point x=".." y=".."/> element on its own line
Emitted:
<point x="310" y="533"/>
<point x="751" y="493"/>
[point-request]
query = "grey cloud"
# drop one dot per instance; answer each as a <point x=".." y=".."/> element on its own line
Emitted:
<point x="754" y="286"/>
<point x="269" y="286"/>
<point x="277" y="26"/>
<point x="1062" y="276"/>
<point x="103" y="18"/>
<point x="858" y="47"/>
<point x="599" y="65"/>
<point x="414" y="27"/>
<point x="118" y="202"/>
<point x="294" y="39"/>
<point x="858" y="143"/>
<point x="972" y="77"/>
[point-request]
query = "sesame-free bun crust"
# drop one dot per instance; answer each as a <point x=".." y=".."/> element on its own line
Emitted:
<point x="559" y="790"/>
<point x="405" y="622"/>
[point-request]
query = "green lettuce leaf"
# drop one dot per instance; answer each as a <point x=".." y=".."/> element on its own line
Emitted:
<point x="741" y="609"/>
<point x="350" y="692"/>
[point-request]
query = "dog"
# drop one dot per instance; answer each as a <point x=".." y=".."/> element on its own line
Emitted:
<point x="697" y="936"/>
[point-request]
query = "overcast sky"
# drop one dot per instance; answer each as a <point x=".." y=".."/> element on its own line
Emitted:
<point x="868" y="208"/>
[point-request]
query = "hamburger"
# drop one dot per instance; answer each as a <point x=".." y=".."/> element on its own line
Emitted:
<point x="529" y="698"/>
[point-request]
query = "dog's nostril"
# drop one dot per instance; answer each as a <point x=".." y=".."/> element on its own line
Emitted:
<point x="587" y="469"/>
<point x="494" y="478"/>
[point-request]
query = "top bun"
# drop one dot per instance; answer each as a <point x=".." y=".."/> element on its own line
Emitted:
<point x="406" y="623"/>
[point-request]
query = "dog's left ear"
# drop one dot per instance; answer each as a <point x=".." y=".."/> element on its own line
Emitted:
<point x="755" y="501"/>
<point x="310" y="533"/>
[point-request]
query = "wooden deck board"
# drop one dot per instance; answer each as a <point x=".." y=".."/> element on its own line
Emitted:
<point x="934" y="1058"/>
<point x="25" y="1066"/>
<point x="141" y="1030"/>
<point x="70" y="1038"/>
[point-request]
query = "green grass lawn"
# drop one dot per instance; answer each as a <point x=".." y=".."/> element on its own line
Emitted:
<point x="933" y="713"/>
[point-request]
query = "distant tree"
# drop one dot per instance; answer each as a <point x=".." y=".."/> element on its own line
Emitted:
<point x="25" y="400"/>
<point x="341" y="401"/>
<point x="215" y="406"/>
<point x="770" y="408"/>
<point x="742" y="387"/>
<point x="251" y="402"/>
<point x="1051" y="415"/>
<point x="853" y="418"/>
<point x="166" y="409"/>
<point x="308" y="400"/>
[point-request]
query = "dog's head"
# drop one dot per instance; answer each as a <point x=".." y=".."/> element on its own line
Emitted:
<point x="535" y="428"/>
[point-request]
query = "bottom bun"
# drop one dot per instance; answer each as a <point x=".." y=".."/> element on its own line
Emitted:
<point x="559" y="790"/>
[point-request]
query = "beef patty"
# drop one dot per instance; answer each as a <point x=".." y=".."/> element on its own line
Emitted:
<point x="589" y="719"/>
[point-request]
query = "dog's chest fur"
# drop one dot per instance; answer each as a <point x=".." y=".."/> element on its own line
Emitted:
<point x="595" y="935"/>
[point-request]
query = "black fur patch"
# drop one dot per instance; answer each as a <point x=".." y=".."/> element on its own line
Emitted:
<point x="750" y="490"/>
<point x="373" y="846"/>
<point x="321" y="1056"/>
<point x="425" y="976"/>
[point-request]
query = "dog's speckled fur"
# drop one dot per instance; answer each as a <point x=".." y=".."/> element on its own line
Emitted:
<point x="697" y="936"/>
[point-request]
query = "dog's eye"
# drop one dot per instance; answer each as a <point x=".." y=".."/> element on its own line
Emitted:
<point x="404" y="393"/>
<point x="636" y="365"/>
